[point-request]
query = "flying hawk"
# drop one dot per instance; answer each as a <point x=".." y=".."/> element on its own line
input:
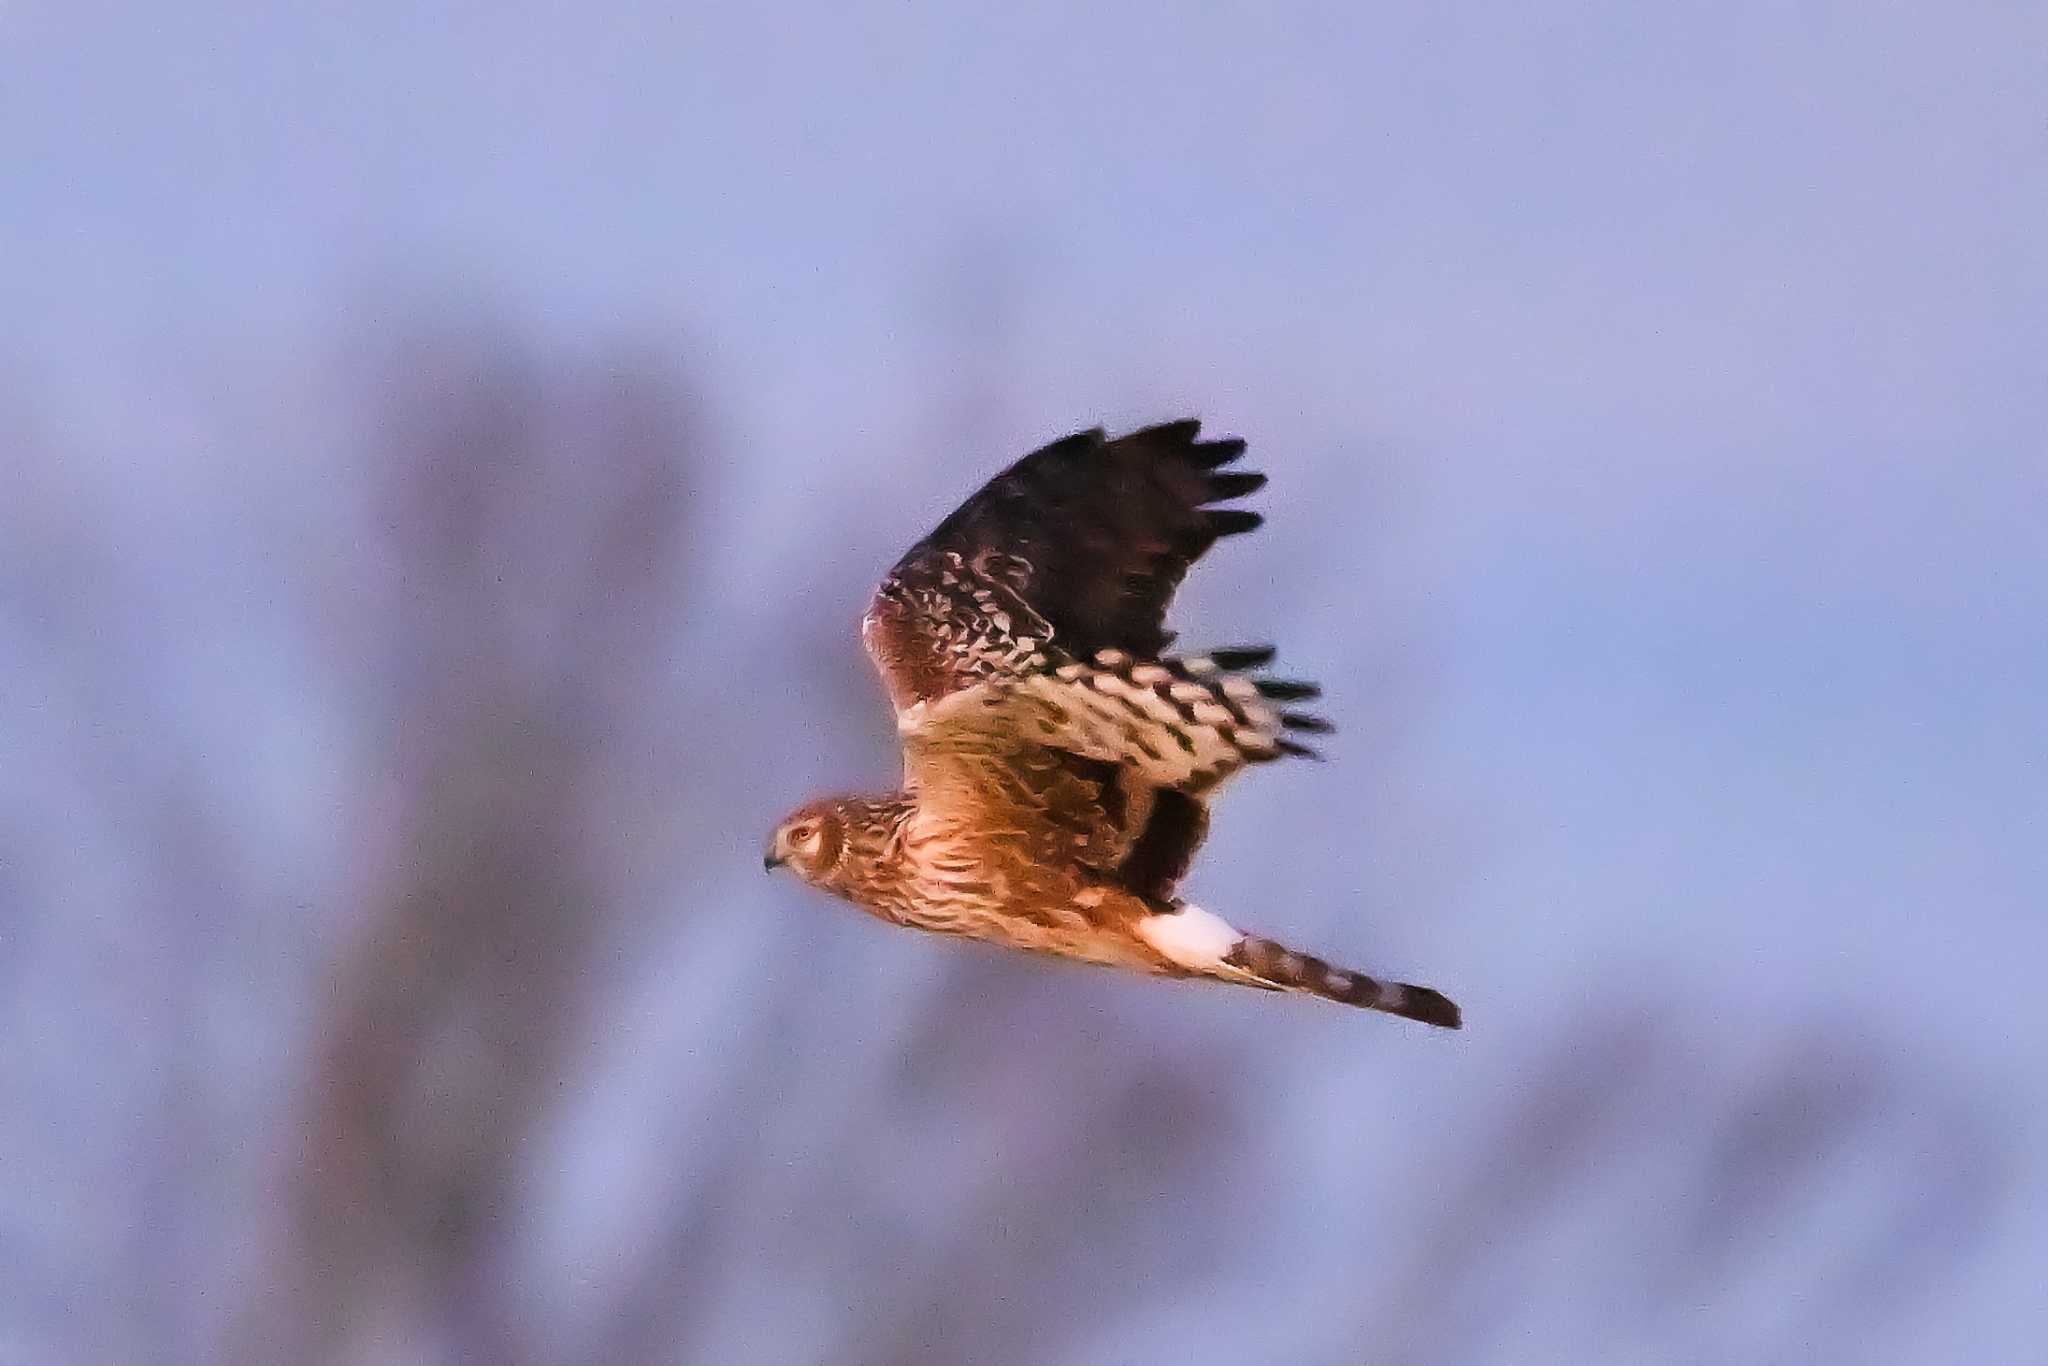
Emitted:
<point x="1058" y="766"/>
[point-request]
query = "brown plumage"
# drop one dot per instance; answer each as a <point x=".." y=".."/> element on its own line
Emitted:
<point x="1058" y="766"/>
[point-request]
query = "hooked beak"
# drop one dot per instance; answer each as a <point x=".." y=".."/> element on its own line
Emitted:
<point x="770" y="861"/>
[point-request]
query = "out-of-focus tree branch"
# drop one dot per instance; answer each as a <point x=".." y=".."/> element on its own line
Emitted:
<point x="533" y="526"/>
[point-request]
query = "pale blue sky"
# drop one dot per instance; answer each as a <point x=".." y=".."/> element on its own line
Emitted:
<point x="1678" y="374"/>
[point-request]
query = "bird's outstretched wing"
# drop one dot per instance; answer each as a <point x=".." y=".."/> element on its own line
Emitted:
<point x="1033" y="618"/>
<point x="1074" y="550"/>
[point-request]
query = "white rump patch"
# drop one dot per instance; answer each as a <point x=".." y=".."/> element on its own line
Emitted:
<point x="1190" y="936"/>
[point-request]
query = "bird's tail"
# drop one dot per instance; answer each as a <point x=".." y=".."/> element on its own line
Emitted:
<point x="1205" y="945"/>
<point x="1272" y="965"/>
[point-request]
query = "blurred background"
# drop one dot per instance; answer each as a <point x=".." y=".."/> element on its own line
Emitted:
<point x="447" y="452"/>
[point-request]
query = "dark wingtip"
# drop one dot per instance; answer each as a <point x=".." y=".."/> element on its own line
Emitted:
<point x="1073" y="446"/>
<point x="1238" y="657"/>
<point x="1299" y="751"/>
<point x="1234" y="522"/>
<point x="1075" y="441"/>
<point x="1307" y="722"/>
<point x="1431" y="1007"/>
<point x="1287" y="690"/>
<point x="1179" y="432"/>
<point x="1209" y="455"/>
<point x="1234" y="485"/>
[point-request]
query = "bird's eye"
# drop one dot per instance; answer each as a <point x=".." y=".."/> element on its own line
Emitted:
<point x="805" y="833"/>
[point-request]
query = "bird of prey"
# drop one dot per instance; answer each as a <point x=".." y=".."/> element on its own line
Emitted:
<point x="1058" y="764"/>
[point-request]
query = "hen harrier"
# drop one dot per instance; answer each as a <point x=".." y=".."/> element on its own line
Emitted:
<point x="1057" y="767"/>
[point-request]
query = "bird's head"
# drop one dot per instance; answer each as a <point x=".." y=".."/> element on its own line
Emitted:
<point x="810" y="841"/>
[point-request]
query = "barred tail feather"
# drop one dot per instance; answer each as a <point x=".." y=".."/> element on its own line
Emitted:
<point x="1205" y="944"/>
<point x="1274" y="965"/>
